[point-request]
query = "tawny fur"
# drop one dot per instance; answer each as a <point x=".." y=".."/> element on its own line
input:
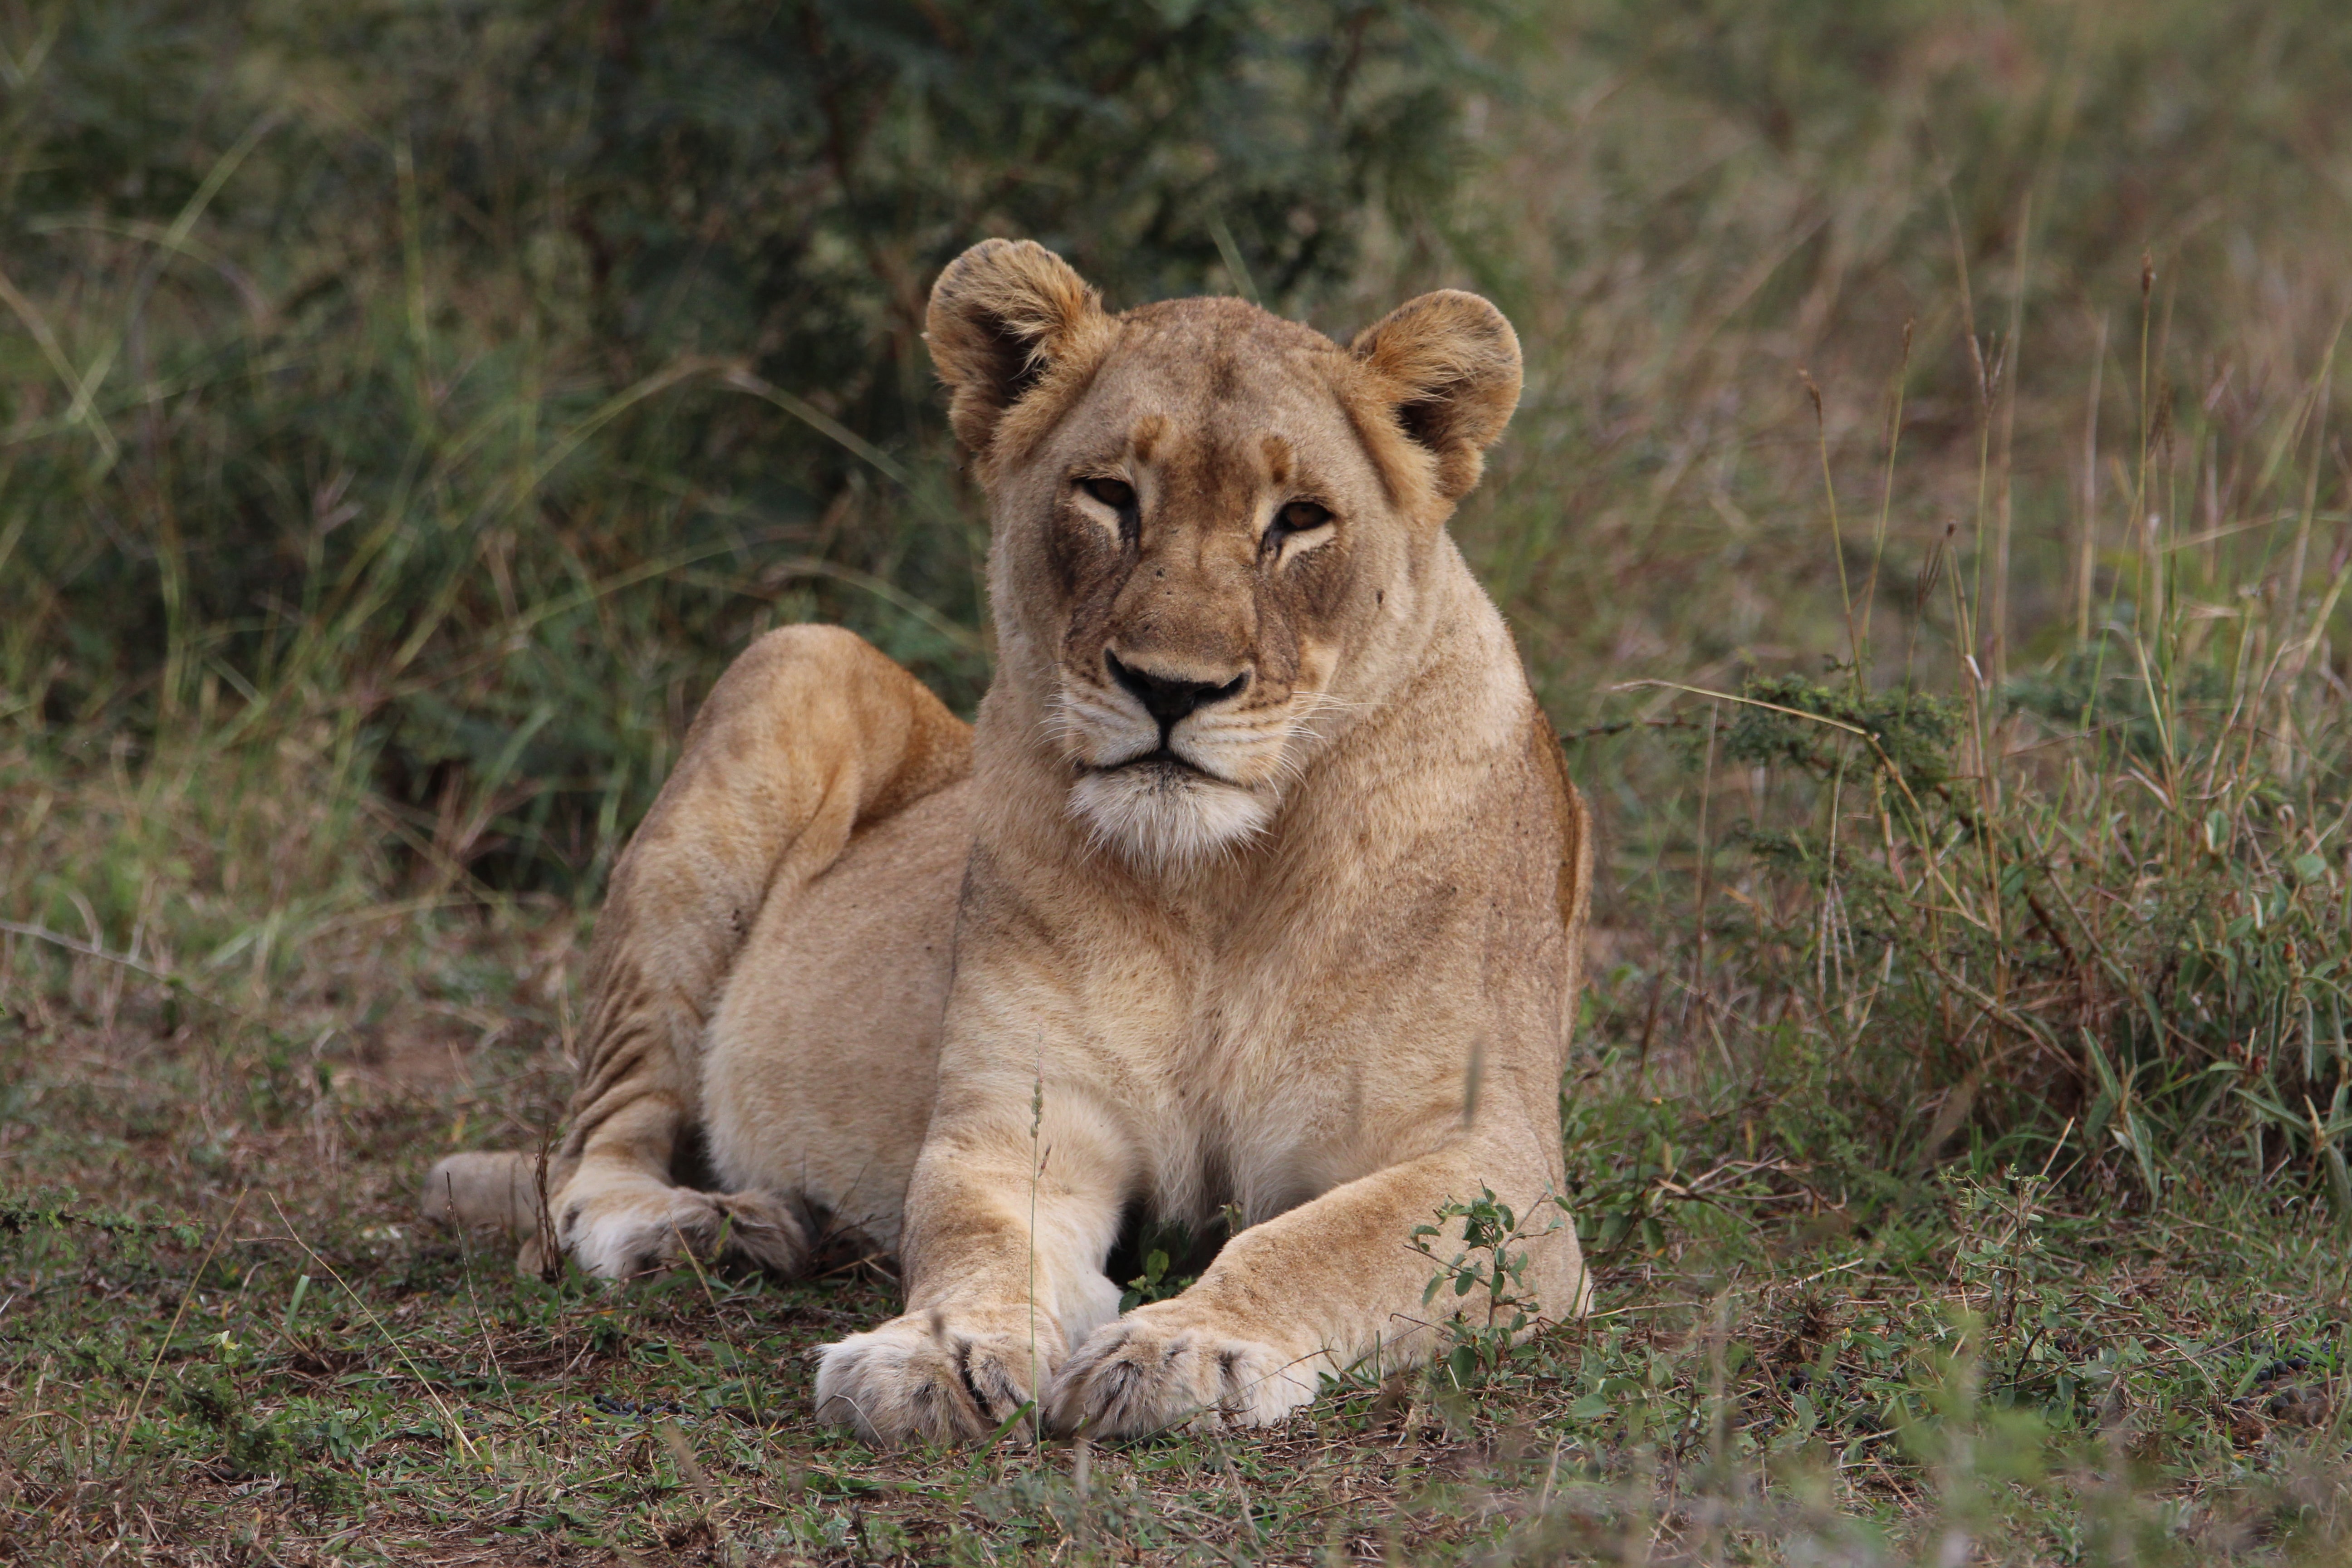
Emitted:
<point x="1310" y="949"/>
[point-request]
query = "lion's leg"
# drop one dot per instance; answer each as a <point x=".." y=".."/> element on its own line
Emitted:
<point x="810" y="736"/>
<point x="1319" y="1288"/>
<point x="820" y="1065"/>
<point x="1012" y="1212"/>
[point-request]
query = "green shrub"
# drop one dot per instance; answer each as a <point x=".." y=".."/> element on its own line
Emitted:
<point x="481" y="377"/>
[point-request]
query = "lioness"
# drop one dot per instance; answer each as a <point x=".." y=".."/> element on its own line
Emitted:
<point x="1258" y="883"/>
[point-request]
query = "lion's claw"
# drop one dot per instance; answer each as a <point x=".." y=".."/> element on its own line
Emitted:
<point x="1171" y="1365"/>
<point x="647" y="1227"/>
<point x="926" y="1379"/>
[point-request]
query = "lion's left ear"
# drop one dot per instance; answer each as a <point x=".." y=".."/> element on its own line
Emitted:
<point x="1451" y="364"/>
<point x="1002" y="316"/>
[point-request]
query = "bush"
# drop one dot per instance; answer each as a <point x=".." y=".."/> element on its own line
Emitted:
<point x="477" y="378"/>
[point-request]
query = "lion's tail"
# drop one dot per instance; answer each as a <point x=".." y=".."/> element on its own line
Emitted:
<point x="810" y="735"/>
<point x="483" y="1189"/>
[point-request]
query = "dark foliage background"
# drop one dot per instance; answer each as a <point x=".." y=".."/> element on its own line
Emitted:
<point x="423" y="383"/>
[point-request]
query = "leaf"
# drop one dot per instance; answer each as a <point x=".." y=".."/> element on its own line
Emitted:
<point x="2217" y="832"/>
<point x="2104" y="1070"/>
<point x="1009" y="1423"/>
<point x="2143" y="1151"/>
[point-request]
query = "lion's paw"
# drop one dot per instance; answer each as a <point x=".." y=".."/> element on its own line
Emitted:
<point x="930" y="1378"/>
<point x="620" y="1233"/>
<point x="1174" y="1364"/>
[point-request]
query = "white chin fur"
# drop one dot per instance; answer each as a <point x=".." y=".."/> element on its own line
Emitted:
<point x="1162" y="818"/>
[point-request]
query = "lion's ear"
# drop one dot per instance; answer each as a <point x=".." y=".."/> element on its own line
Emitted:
<point x="1450" y="364"/>
<point x="1002" y="315"/>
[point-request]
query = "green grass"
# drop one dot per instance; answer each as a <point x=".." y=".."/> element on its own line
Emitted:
<point x="1930" y="524"/>
<point x="306" y="1370"/>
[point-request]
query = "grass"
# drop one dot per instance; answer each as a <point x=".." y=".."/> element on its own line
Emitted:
<point x="1928" y="524"/>
<point x="306" y="1373"/>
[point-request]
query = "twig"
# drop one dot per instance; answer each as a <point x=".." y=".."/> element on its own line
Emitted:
<point x="171" y="978"/>
<point x="465" y="1257"/>
<point x="1640" y="1306"/>
<point x="87" y="950"/>
<point x="751" y="1385"/>
<point x="1884" y="762"/>
<point x="456" y="1427"/>
<point x="185" y="1296"/>
<point x="690" y="1471"/>
<point x="1233" y="1474"/>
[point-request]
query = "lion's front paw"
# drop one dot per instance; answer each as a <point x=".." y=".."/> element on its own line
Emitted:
<point x="1170" y="1365"/>
<point x="932" y="1378"/>
<point x="621" y="1232"/>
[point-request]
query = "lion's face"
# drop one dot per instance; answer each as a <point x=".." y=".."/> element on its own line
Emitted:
<point x="1210" y="527"/>
<point x="1202" y="532"/>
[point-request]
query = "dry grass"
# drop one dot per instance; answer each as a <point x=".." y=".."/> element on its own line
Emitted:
<point x="1793" y="1372"/>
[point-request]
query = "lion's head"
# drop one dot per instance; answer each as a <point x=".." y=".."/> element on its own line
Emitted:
<point x="1211" y="526"/>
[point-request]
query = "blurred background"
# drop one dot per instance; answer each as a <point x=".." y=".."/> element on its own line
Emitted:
<point x="407" y="411"/>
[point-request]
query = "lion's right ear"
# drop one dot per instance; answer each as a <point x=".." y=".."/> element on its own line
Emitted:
<point x="1448" y="366"/>
<point x="1004" y="316"/>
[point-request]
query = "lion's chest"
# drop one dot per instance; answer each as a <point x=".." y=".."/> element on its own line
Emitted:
<point x="1278" y="1077"/>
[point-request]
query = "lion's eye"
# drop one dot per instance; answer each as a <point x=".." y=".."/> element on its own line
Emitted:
<point x="1296" y="517"/>
<point x="1115" y="494"/>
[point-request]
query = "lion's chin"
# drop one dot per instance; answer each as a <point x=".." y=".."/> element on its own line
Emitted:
<point x="1162" y="816"/>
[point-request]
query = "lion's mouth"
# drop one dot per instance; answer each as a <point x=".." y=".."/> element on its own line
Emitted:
<point x="1165" y="808"/>
<point x="1162" y="765"/>
<point x="1160" y="759"/>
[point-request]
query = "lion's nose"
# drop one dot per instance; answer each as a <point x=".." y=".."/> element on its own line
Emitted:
<point x="1167" y="699"/>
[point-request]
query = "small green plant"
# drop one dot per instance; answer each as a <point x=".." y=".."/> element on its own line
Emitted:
<point x="1484" y="1334"/>
<point x="1154" y="1284"/>
<point x="1170" y="1257"/>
